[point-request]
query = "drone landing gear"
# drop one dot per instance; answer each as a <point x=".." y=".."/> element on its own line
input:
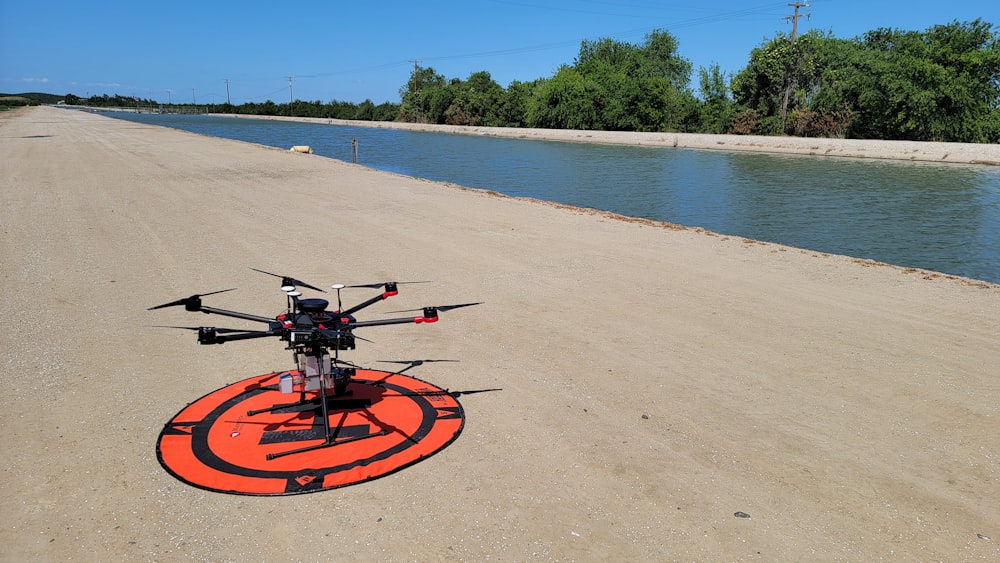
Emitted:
<point x="329" y="441"/>
<point x="330" y="434"/>
<point x="316" y="369"/>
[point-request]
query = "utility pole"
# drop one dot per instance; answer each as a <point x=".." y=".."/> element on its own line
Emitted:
<point x="169" y="101"/>
<point x="795" y="17"/>
<point x="416" y="67"/>
<point x="290" y="79"/>
<point x="788" y="87"/>
<point x="193" y="99"/>
<point x="227" y="92"/>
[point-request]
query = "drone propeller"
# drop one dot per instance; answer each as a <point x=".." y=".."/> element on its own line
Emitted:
<point x="189" y="301"/>
<point x="450" y="307"/>
<point x="439" y="308"/>
<point x="362" y="338"/>
<point x="287" y="280"/>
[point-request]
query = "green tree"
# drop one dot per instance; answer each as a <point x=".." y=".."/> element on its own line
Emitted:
<point x="425" y="97"/>
<point x="562" y="102"/>
<point x="386" y="111"/>
<point x="512" y="107"/>
<point x="365" y="111"/>
<point x="614" y="85"/>
<point x="474" y="101"/>
<point x="940" y="85"/>
<point x="781" y="76"/>
<point x="717" y="108"/>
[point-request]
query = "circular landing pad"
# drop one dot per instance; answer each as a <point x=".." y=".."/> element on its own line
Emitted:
<point x="386" y="421"/>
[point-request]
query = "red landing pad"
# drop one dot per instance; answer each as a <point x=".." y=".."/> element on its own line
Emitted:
<point x="386" y="421"/>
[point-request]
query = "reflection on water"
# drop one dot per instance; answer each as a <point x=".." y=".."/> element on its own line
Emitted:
<point x="937" y="217"/>
<point x="942" y="218"/>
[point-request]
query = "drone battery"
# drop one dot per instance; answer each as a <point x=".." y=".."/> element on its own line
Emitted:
<point x="313" y="383"/>
<point x="312" y="366"/>
<point x="313" y="372"/>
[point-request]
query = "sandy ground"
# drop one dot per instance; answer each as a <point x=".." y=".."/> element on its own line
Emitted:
<point x="655" y="380"/>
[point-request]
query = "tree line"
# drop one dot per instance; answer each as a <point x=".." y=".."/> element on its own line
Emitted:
<point x="27" y="99"/>
<point x="942" y="84"/>
<point x="939" y="85"/>
<point x="365" y="111"/>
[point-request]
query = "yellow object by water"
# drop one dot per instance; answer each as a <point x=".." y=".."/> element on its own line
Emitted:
<point x="302" y="148"/>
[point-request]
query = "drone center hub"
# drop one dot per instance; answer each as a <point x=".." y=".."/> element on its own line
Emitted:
<point x="312" y="306"/>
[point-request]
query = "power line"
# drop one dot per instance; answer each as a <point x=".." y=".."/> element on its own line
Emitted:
<point x="678" y="24"/>
<point x="621" y="35"/>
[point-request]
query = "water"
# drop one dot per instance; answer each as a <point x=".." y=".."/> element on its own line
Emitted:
<point x="944" y="218"/>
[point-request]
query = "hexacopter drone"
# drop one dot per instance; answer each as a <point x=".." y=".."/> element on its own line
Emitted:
<point x="311" y="333"/>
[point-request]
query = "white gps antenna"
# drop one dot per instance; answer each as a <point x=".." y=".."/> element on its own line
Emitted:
<point x="338" y="287"/>
<point x="293" y="296"/>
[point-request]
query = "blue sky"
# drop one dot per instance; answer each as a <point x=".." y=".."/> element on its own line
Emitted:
<point x="185" y="51"/>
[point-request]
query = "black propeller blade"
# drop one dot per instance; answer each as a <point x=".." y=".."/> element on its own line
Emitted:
<point x="439" y="308"/>
<point x="287" y="280"/>
<point x="450" y="307"/>
<point x="196" y="298"/>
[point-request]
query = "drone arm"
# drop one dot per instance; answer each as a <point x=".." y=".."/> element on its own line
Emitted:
<point x="234" y="314"/>
<point x="399" y="321"/>
<point x="209" y="336"/>
<point x="390" y="290"/>
<point x="430" y="316"/>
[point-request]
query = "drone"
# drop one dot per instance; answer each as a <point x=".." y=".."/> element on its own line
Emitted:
<point x="311" y="332"/>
